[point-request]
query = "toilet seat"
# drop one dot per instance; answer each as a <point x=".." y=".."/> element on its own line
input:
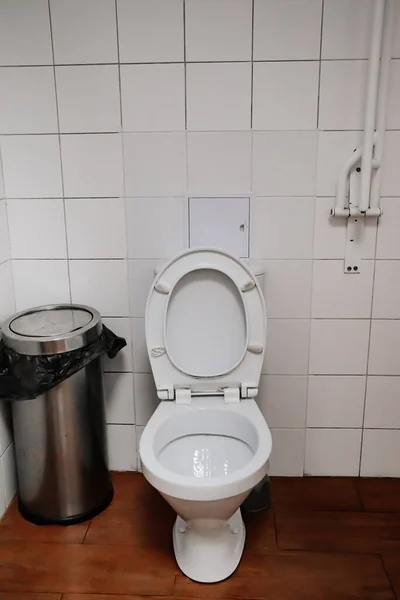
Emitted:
<point x="214" y="417"/>
<point x="191" y="351"/>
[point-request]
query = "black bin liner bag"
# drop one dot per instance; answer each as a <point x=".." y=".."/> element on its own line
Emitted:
<point x="25" y="377"/>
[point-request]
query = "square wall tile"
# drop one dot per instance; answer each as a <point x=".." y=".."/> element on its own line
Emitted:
<point x="284" y="163"/>
<point x="141" y="276"/>
<point x="288" y="289"/>
<point x="337" y="295"/>
<point x="393" y="101"/>
<point x="339" y="347"/>
<point x="333" y="452"/>
<point x="335" y="401"/>
<point x="218" y="30"/>
<point x="218" y="96"/>
<point x="25" y="37"/>
<point x="27" y="100"/>
<point x="92" y="165"/>
<point x="153" y="97"/>
<point x="396" y="32"/>
<point x="88" y="98"/>
<point x="275" y="84"/>
<point x="382" y="406"/>
<point x="121" y="442"/>
<point x="141" y="362"/>
<point x="38" y="158"/>
<point x="123" y="361"/>
<point x="102" y="284"/>
<point x="9" y="473"/>
<point x="387" y="290"/>
<point x="84" y="31"/>
<point x="5" y="426"/>
<point x="287" y="456"/>
<point x="7" y="298"/>
<point x="40" y="282"/>
<point x="287" y="30"/>
<point x="380" y="453"/>
<point x="282" y="400"/>
<point x="96" y="228"/>
<point x="155" y="164"/>
<point x="330" y="233"/>
<point x="219" y="163"/>
<point x="281" y="227"/>
<point x="384" y="349"/>
<point x="146" y="399"/>
<point x="390" y="171"/>
<point x="150" y="31"/>
<point x="346" y="28"/>
<point x="155" y="227"/>
<point x="388" y="245"/>
<point x="37" y="228"/>
<point x="4" y="237"/>
<point x="119" y="403"/>
<point x="342" y="94"/>
<point x="287" y="347"/>
<point x="334" y="150"/>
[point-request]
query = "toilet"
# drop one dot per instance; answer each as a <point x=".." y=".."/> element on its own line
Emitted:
<point x="207" y="444"/>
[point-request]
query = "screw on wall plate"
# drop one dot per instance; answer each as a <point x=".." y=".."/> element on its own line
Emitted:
<point x="349" y="268"/>
<point x="355" y="268"/>
<point x="352" y="240"/>
<point x="358" y="169"/>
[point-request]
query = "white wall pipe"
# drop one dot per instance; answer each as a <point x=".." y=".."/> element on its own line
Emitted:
<point x="371" y="101"/>
<point x="382" y="106"/>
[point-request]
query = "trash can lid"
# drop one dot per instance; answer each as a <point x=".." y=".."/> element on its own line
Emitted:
<point x="52" y="329"/>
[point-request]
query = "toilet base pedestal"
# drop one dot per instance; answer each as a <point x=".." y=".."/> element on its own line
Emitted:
<point x="208" y="550"/>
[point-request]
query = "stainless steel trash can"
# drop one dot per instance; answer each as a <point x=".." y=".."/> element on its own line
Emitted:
<point x="60" y="435"/>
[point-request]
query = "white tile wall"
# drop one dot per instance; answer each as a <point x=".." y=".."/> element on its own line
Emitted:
<point x="218" y="96"/>
<point x="284" y="163"/>
<point x="38" y="158"/>
<point x="218" y="30"/>
<point x="150" y="31"/>
<point x="27" y="100"/>
<point x="153" y="97"/>
<point x="275" y="85"/>
<point x="102" y="146"/>
<point x="84" y="31"/>
<point x="338" y="347"/>
<point x="25" y="37"/>
<point x="108" y="285"/>
<point x="287" y="30"/>
<point x="333" y="452"/>
<point x="96" y="227"/>
<point x="155" y="164"/>
<point x="149" y="233"/>
<point x="380" y="453"/>
<point x="30" y="234"/>
<point x="335" y="401"/>
<point x="92" y="165"/>
<point x="39" y="282"/>
<point x="88" y="98"/>
<point x="219" y="163"/>
<point x="382" y="406"/>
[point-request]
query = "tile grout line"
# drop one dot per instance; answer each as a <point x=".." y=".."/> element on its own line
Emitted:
<point x="60" y="154"/>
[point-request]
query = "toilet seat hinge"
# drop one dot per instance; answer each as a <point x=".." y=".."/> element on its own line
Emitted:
<point x="183" y="396"/>
<point x="231" y="395"/>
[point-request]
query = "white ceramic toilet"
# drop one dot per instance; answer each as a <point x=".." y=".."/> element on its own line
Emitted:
<point x="207" y="444"/>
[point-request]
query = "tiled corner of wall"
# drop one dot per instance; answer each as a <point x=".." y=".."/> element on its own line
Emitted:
<point x="114" y="112"/>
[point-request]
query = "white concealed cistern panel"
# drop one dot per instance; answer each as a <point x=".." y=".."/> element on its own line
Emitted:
<point x="221" y="223"/>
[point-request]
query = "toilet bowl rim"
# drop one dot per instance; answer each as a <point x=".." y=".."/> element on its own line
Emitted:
<point x="187" y="488"/>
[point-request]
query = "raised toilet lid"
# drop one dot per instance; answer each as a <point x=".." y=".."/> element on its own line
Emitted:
<point x="205" y="325"/>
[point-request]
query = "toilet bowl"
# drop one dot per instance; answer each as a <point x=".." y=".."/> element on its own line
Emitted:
<point x="207" y="444"/>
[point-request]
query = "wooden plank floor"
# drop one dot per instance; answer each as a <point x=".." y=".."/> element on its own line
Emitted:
<point x="323" y="539"/>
